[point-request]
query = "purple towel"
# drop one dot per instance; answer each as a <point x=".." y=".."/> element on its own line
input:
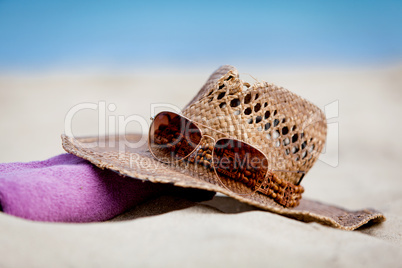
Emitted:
<point x="67" y="188"/>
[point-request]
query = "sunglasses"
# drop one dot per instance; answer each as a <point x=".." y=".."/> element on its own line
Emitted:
<point x="239" y="166"/>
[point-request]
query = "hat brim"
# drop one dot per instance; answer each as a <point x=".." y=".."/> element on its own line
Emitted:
<point x="114" y="154"/>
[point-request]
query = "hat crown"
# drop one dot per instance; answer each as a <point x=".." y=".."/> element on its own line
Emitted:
<point x="288" y="129"/>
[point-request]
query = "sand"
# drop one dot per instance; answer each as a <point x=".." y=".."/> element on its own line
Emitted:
<point x="361" y="168"/>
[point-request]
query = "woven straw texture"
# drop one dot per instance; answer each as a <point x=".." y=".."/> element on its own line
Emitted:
<point x="223" y="105"/>
<point x="290" y="130"/>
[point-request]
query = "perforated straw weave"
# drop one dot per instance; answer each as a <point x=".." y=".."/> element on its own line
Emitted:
<point x="288" y="129"/>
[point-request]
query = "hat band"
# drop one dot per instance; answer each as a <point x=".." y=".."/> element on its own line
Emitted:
<point x="283" y="192"/>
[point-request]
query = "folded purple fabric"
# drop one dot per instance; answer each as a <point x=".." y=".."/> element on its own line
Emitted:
<point x="67" y="188"/>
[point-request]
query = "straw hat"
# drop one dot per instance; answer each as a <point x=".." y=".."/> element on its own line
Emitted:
<point x="288" y="129"/>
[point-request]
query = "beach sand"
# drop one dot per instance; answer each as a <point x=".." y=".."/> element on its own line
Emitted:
<point x="360" y="168"/>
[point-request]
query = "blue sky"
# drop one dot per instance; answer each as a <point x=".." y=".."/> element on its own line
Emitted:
<point x="114" y="34"/>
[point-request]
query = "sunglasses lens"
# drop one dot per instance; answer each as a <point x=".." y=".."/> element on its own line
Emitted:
<point x="173" y="137"/>
<point x="240" y="167"/>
